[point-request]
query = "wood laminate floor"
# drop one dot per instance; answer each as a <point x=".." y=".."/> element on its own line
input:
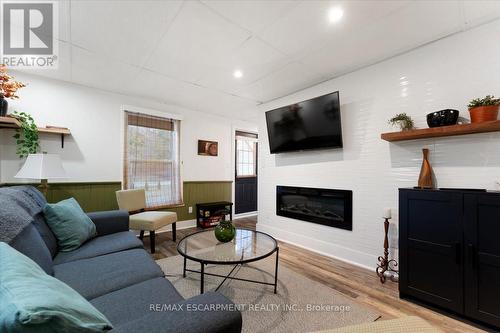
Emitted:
<point x="357" y="283"/>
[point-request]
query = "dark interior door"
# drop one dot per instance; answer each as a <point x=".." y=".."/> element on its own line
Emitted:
<point x="431" y="247"/>
<point x="246" y="172"/>
<point x="482" y="269"/>
<point x="246" y="195"/>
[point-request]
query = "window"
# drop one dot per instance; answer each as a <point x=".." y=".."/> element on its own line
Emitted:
<point x="151" y="159"/>
<point x="246" y="154"/>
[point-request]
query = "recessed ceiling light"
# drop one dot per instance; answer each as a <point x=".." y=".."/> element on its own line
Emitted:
<point x="335" y="14"/>
<point x="238" y="74"/>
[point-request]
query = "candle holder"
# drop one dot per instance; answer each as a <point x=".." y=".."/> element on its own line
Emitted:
<point x="384" y="264"/>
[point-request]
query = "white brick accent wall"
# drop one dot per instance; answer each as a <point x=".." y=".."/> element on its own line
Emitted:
<point x="444" y="74"/>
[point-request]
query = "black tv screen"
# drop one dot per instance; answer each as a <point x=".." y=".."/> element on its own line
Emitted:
<point x="311" y="124"/>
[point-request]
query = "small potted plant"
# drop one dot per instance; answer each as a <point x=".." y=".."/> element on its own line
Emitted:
<point x="402" y="120"/>
<point x="484" y="109"/>
<point x="8" y="89"/>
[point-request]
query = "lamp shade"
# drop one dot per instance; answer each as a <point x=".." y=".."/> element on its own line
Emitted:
<point x="42" y="166"/>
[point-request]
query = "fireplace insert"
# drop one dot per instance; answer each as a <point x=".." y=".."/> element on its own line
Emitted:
<point x="328" y="207"/>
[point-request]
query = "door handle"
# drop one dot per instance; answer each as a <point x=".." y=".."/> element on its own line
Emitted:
<point x="472" y="254"/>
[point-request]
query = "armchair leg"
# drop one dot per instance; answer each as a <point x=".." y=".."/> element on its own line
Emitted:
<point x="152" y="240"/>
<point x="141" y="235"/>
<point x="174" y="231"/>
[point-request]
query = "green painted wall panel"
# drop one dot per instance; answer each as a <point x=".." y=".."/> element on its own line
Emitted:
<point x="101" y="196"/>
<point x="200" y="192"/>
<point x="91" y="196"/>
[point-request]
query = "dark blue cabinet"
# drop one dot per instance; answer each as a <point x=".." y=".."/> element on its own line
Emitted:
<point x="449" y="251"/>
<point x="482" y="259"/>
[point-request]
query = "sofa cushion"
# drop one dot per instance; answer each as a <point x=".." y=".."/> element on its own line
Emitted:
<point x="39" y="219"/>
<point x="210" y="313"/>
<point x="30" y="243"/>
<point x="69" y="223"/>
<point x="97" y="276"/>
<point x="47" y="235"/>
<point x="32" y="301"/>
<point x="99" y="246"/>
<point x="144" y="294"/>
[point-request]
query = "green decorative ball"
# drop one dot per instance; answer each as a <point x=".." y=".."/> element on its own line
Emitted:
<point x="225" y="231"/>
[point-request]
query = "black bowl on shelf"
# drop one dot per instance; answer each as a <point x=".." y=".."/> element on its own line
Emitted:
<point x="445" y="117"/>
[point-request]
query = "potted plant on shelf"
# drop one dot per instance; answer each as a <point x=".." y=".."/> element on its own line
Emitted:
<point x="8" y="89"/>
<point x="402" y="120"/>
<point x="484" y="109"/>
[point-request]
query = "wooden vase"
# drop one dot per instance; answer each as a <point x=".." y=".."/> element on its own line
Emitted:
<point x="425" y="178"/>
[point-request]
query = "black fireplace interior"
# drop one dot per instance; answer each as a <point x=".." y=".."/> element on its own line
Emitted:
<point x="323" y="206"/>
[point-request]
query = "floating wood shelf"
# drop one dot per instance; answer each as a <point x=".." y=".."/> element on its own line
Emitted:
<point x="435" y="132"/>
<point x="10" y="122"/>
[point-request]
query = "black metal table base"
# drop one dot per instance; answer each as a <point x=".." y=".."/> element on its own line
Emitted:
<point x="228" y="276"/>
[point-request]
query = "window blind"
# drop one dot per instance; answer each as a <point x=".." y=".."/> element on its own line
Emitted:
<point x="151" y="159"/>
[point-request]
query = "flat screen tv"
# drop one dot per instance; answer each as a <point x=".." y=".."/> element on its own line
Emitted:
<point x="311" y="124"/>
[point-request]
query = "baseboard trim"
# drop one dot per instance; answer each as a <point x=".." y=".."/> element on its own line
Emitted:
<point x="298" y="240"/>
<point x="243" y="215"/>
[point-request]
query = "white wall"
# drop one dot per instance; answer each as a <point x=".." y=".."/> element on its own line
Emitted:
<point x="444" y="74"/>
<point x="94" y="150"/>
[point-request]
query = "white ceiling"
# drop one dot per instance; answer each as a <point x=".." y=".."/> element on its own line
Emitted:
<point x="185" y="52"/>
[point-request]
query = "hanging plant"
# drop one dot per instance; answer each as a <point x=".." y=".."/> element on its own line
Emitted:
<point x="27" y="135"/>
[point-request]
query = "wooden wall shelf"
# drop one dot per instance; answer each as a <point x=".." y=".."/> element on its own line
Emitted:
<point x="9" y="122"/>
<point x="435" y="132"/>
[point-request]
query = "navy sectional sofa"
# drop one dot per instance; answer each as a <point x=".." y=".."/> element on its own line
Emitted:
<point x="113" y="272"/>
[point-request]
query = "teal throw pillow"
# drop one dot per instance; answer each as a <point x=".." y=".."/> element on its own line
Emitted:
<point x="33" y="302"/>
<point x="69" y="223"/>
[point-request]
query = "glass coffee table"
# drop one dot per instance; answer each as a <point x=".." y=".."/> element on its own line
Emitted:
<point x="247" y="246"/>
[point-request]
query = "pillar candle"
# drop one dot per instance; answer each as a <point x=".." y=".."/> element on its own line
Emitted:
<point x="387" y="213"/>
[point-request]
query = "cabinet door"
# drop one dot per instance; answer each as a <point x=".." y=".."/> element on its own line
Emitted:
<point x="482" y="260"/>
<point x="430" y="245"/>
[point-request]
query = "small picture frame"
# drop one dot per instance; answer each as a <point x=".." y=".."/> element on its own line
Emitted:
<point x="208" y="148"/>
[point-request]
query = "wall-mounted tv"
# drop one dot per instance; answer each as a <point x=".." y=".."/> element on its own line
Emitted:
<point x="311" y="124"/>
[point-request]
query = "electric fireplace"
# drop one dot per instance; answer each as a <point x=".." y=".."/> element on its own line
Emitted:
<point x="328" y="207"/>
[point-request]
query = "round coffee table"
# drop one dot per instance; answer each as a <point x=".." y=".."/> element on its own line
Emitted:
<point x="247" y="246"/>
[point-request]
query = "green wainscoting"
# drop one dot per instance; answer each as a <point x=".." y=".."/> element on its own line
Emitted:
<point x="100" y="196"/>
<point x="92" y="197"/>
<point x="199" y="192"/>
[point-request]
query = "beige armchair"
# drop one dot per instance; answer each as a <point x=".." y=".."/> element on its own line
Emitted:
<point x="134" y="201"/>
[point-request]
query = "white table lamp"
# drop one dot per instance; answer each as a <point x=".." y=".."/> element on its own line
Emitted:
<point x="42" y="166"/>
